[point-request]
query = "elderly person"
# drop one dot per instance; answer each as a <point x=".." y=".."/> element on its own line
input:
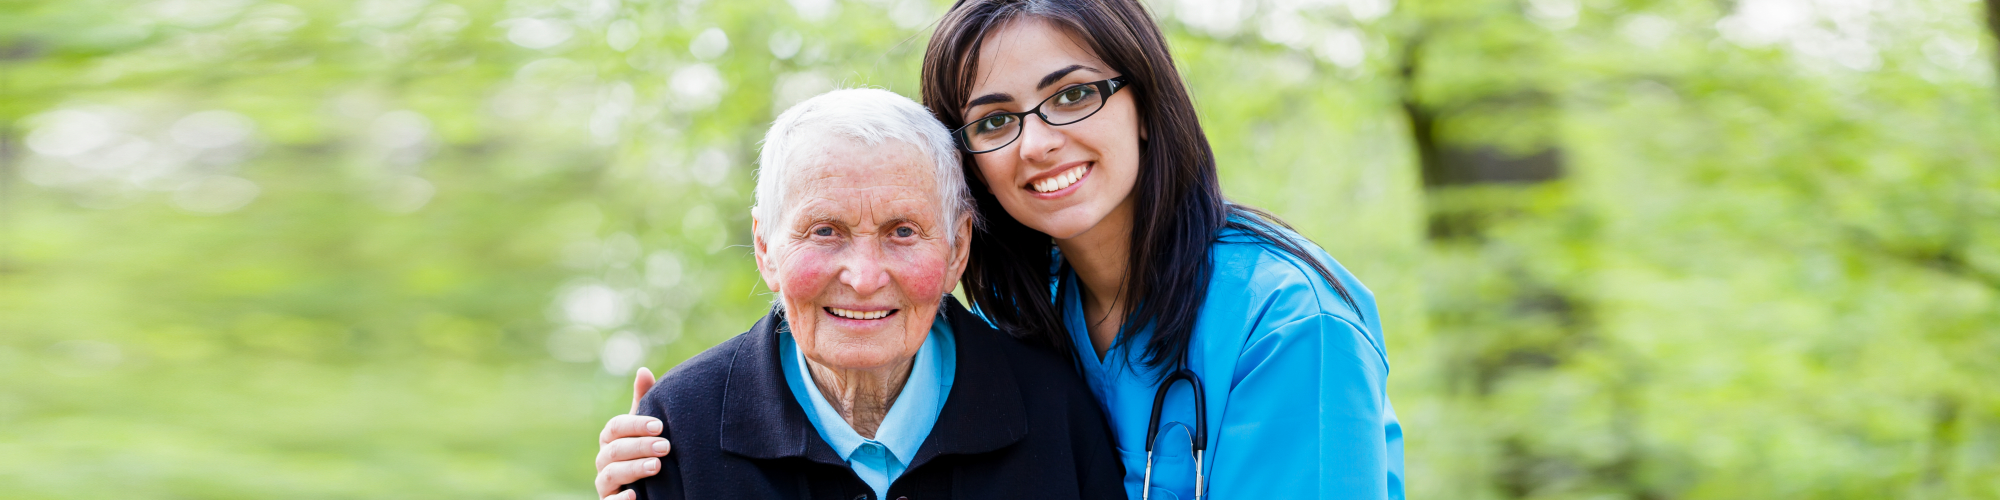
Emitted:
<point x="866" y="381"/>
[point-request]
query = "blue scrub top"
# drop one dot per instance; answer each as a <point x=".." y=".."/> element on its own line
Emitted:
<point x="1294" y="379"/>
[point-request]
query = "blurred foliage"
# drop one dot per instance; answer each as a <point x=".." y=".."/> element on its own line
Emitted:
<point x="1624" y="248"/>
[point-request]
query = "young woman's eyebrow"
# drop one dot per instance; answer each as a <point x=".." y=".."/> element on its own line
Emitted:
<point x="1000" y="97"/>
<point x="1058" y="74"/>
<point x="993" y="98"/>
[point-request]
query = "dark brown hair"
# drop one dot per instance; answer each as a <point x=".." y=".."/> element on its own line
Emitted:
<point x="1178" y="208"/>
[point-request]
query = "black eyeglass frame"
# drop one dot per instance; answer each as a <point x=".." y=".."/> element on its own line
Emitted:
<point x="1109" y="87"/>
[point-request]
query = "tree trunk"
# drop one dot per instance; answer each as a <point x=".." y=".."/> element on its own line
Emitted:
<point x="1993" y="28"/>
<point x="1423" y="128"/>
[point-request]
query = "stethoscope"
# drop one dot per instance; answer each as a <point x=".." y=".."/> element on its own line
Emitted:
<point x="1199" y="433"/>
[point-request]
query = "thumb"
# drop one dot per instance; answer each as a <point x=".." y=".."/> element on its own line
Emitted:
<point x="640" y="384"/>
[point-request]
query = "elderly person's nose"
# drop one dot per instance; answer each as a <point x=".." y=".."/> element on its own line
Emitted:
<point x="1038" y="139"/>
<point x="864" y="269"/>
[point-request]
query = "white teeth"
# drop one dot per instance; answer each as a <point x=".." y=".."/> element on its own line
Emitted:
<point x="1059" y="182"/>
<point x="853" y="314"/>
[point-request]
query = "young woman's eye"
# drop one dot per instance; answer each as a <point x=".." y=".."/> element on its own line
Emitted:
<point x="992" y="123"/>
<point x="1075" y="94"/>
<point x="823" y="231"/>
<point x="905" y="232"/>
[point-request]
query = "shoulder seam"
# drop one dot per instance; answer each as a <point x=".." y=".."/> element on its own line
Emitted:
<point x="1314" y="282"/>
<point x="1381" y="351"/>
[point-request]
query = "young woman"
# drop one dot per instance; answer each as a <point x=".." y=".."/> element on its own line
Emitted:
<point x="1107" y="237"/>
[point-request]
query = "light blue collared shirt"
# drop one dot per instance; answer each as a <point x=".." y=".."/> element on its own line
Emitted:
<point x="880" y="461"/>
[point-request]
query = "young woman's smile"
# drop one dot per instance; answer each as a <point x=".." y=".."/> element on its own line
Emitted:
<point x="1153" y="271"/>
<point x="1061" y="180"/>
<point x="1057" y="182"/>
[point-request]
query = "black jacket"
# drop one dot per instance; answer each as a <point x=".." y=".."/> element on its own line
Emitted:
<point x="1018" y="424"/>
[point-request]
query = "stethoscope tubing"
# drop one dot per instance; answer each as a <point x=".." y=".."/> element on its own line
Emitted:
<point x="1199" y="434"/>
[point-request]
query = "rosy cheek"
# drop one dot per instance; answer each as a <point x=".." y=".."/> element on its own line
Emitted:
<point x="922" y="272"/>
<point x="806" y="273"/>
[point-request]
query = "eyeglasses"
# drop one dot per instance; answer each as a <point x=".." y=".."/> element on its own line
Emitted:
<point x="1071" y="105"/>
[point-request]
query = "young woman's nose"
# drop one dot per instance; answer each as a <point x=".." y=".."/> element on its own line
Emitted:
<point x="1038" y="139"/>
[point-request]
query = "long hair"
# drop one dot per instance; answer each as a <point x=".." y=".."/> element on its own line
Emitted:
<point x="1178" y="205"/>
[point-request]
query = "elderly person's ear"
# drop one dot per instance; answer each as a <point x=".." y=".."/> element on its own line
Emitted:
<point x="961" y="250"/>
<point x="761" y="250"/>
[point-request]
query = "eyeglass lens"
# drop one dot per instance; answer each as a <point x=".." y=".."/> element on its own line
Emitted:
<point x="1068" y="106"/>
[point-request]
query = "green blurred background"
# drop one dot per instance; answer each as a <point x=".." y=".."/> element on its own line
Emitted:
<point x="1625" y="249"/>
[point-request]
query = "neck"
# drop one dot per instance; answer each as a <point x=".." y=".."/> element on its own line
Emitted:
<point x="862" y="397"/>
<point x="1101" y="257"/>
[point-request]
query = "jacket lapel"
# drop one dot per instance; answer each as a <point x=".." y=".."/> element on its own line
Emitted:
<point x="984" y="411"/>
<point x="760" y="419"/>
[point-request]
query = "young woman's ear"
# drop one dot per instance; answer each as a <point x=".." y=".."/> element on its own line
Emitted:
<point x="1140" y="112"/>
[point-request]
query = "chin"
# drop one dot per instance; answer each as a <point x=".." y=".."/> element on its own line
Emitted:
<point x="1062" y="233"/>
<point x="1065" y="225"/>
<point x="872" y="350"/>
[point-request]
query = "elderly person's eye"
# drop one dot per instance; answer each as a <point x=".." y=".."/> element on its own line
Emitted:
<point x="823" y="231"/>
<point x="905" y="232"/>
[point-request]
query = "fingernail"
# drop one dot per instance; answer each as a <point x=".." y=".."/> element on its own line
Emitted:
<point x="653" y="427"/>
<point x="652" y="465"/>
<point x="660" y="447"/>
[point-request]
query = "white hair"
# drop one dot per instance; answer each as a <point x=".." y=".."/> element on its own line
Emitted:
<point x="871" y="116"/>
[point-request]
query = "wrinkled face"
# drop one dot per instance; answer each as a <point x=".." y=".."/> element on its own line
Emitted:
<point x="860" y="258"/>
<point x="1063" y="180"/>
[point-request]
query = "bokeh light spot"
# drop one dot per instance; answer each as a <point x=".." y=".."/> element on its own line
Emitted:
<point x="219" y="194"/>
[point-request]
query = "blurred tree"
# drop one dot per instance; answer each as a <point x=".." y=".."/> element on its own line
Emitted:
<point x="1993" y="26"/>
<point x="1624" y="248"/>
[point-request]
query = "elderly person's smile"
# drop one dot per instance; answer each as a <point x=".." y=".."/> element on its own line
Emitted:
<point x="866" y="380"/>
<point x="860" y="256"/>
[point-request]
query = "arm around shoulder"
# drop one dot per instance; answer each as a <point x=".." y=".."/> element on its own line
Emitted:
<point x="666" y="485"/>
